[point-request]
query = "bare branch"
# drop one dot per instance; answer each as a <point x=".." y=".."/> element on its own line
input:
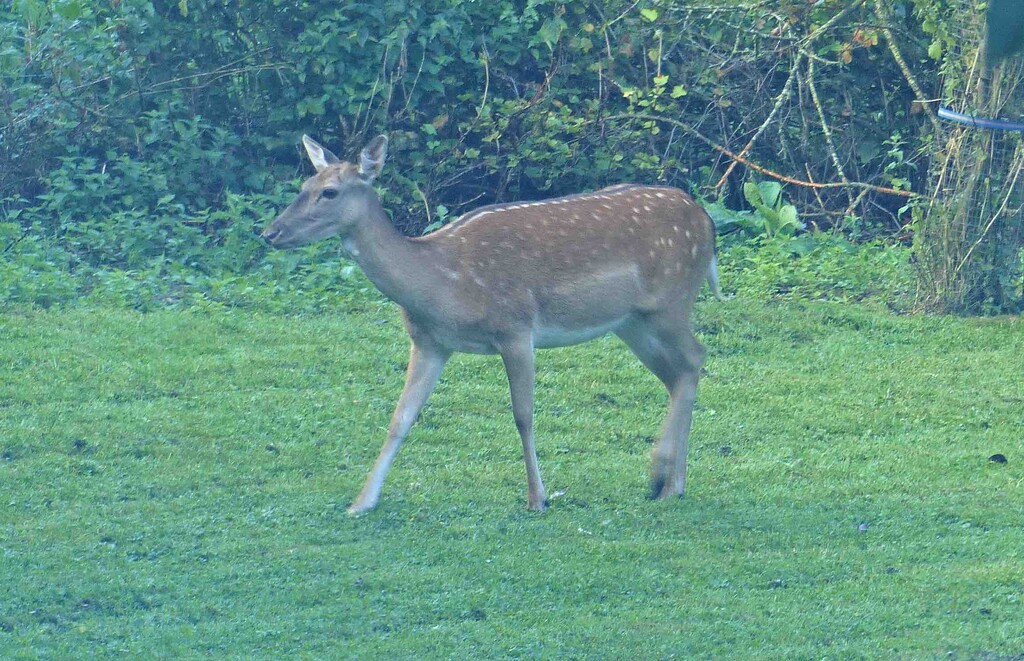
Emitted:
<point x="686" y="128"/>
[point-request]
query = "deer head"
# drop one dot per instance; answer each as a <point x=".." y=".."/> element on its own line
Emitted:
<point x="334" y="200"/>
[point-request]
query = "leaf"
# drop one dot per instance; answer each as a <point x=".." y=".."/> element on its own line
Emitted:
<point x="846" y="53"/>
<point x="803" y="245"/>
<point x="649" y="14"/>
<point x="753" y="194"/>
<point x="678" y="91"/>
<point x="789" y="220"/>
<point x="660" y="81"/>
<point x="69" y="10"/>
<point x="726" y="220"/>
<point x="771" y="193"/>
<point x="550" y="32"/>
<point x="935" y="50"/>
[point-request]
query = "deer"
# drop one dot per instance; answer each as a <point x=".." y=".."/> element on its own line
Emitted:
<point x="510" y="278"/>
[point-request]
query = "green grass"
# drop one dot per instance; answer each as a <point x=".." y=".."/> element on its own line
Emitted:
<point x="174" y="484"/>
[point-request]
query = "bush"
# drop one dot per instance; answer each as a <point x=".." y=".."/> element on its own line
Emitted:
<point x="818" y="267"/>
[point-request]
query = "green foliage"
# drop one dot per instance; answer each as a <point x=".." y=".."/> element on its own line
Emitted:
<point x="485" y="101"/>
<point x="776" y="218"/>
<point x="155" y="138"/>
<point x="770" y="216"/>
<point x="819" y="267"/>
<point x="970" y="230"/>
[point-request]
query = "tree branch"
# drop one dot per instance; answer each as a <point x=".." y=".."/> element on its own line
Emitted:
<point x="689" y="130"/>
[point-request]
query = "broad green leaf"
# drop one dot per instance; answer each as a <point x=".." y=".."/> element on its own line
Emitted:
<point x="68" y="10"/>
<point x="789" y="220"/>
<point x="771" y="193"/>
<point x="753" y="194"/>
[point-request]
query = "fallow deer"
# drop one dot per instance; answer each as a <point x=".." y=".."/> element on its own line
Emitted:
<point x="510" y="278"/>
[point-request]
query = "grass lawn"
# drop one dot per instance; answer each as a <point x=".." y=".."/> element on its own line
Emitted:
<point x="175" y="484"/>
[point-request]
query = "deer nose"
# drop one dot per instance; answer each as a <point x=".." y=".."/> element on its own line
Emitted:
<point x="270" y="234"/>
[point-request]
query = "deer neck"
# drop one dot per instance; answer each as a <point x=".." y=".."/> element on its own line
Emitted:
<point x="403" y="269"/>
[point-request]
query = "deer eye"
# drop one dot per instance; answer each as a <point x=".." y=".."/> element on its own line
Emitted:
<point x="329" y="193"/>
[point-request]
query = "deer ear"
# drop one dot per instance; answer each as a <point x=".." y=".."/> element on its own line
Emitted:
<point x="371" y="160"/>
<point x="320" y="156"/>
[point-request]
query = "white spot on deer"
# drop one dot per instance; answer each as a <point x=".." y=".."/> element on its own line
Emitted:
<point x="670" y="243"/>
<point x="636" y="210"/>
<point x="662" y="195"/>
<point x="652" y="254"/>
<point x="607" y="206"/>
<point x="688" y="234"/>
<point x="693" y="250"/>
<point x="647" y="208"/>
<point x="675" y="228"/>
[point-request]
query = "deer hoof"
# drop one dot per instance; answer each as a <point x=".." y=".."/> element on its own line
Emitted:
<point x="538" y="507"/>
<point x="356" y="509"/>
<point x="662" y="487"/>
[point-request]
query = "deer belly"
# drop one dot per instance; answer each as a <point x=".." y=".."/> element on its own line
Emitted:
<point x="548" y="336"/>
<point x="587" y="307"/>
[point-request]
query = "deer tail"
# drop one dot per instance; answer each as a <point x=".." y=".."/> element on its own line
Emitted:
<point x="713" y="278"/>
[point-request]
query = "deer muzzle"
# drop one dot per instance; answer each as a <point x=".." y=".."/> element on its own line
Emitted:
<point x="272" y="235"/>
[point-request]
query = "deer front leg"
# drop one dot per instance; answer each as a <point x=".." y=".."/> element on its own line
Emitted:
<point x="518" y="360"/>
<point x="425" y="365"/>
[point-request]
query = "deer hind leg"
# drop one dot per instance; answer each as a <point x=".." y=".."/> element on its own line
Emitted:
<point x="425" y="365"/>
<point x="675" y="356"/>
